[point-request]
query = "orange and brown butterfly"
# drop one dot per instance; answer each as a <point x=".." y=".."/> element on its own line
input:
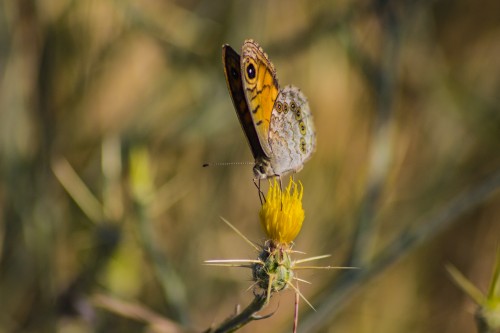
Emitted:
<point x="277" y="122"/>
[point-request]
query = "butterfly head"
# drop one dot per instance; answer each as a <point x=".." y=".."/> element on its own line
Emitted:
<point x="262" y="169"/>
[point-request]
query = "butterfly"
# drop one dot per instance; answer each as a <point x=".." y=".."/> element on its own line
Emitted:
<point x="277" y="122"/>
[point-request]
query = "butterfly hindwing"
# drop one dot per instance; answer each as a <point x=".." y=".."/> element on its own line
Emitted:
<point x="292" y="135"/>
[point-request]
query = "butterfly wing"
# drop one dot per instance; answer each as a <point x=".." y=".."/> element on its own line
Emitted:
<point x="232" y="71"/>
<point x="292" y="136"/>
<point x="261" y="89"/>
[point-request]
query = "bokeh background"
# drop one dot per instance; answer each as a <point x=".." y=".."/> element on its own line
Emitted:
<point x="108" y="109"/>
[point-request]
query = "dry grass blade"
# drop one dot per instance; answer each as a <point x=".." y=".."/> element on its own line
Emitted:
<point x="77" y="189"/>
<point x="136" y="311"/>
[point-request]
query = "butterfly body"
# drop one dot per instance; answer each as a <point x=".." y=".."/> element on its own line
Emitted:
<point x="277" y="122"/>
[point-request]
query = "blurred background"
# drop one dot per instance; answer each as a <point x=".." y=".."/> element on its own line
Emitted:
<point x="108" y="109"/>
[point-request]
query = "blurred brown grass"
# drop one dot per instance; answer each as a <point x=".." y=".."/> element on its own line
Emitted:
<point x="132" y="94"/>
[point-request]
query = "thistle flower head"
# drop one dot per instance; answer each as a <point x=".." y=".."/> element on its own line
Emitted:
<point x="275" y="271"/>
<point x="282" y="214"/>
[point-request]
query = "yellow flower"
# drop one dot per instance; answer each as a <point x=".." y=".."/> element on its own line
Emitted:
<point x="282" y="214"/>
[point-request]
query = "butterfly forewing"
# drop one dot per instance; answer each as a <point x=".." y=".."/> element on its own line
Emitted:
<point x="232" y="71"/>
<point x="261" y="89"/>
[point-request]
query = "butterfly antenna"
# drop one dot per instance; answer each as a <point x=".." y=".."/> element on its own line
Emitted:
<point x="205" y="165"/>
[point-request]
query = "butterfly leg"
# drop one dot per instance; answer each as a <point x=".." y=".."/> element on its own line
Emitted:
<point x="262" y="197"/>
<point x="281" y="191"/>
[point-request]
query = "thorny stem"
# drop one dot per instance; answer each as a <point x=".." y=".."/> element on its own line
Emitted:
<point x="244" y="317"/>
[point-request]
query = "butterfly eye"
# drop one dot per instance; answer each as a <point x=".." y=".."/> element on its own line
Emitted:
<point x="302" y="127"/>
<point x="279" y="107"/>
<point x="251" y="71"/>
<point x="293" y="106"/>
<point x="303" y="145"/>
<point x="298" y="114"/>
<point x="285" y="107"/>
<point x="234" y="73"/>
